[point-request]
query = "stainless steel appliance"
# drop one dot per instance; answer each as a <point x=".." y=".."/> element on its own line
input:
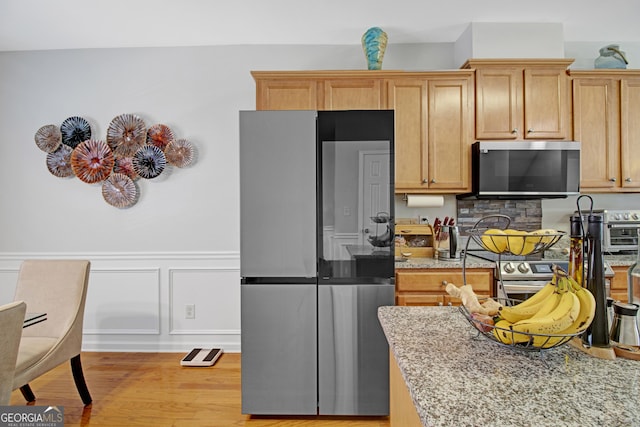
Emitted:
<point x="524" y="169"/>
<point x="620" y="229"/>
<point x="312" y="186"/>
<point x="523" y="278"/>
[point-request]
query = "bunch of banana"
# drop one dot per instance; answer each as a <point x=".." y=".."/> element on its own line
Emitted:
<point x="561" y="307"/>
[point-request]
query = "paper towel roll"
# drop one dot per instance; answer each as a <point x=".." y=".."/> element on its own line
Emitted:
<point x="422" y="201"/>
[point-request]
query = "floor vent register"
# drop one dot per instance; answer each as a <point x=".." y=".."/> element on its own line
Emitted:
<point x="201" y="357"/>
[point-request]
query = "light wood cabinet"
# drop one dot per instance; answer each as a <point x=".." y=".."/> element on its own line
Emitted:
<point x="433" y="114"/>
<point x="320" y="90"/>
<point x="606" y="105"/>
<point x="434" y="131"/>
<point x="353" y="94"/>
<point x="522" y="98"/>
<point x="402" y="410"/>
<point x="275" y="93"/>
<point x="619" y="284"/>
<point x="427" y="286"/>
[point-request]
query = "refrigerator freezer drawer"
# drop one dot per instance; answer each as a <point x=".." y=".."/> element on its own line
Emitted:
<point x="279" y="349"/>
<point x="353" y="354"/>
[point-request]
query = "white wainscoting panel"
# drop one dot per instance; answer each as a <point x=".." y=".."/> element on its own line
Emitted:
<point x="8" y="280"/>
<point x="123" y="301"/>
<point x="215" y="293"/>
<point x="135" y="301"/>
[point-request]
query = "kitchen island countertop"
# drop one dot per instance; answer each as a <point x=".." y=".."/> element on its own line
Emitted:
<point x="455" y="377"/>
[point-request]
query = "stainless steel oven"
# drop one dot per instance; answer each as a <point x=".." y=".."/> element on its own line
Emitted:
<point x="519" y="279"/>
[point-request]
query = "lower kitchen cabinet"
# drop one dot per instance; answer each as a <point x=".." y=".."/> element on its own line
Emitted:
<point x="402" y="410"/>
<point x="427" y="286"/>
<point x="619" y="284"/>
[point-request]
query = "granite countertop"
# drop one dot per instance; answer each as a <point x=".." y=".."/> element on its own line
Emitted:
<point x="472" y="262"/>
<point x="457" y="378"/>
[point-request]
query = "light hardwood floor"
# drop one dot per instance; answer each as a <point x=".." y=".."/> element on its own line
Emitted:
<point x="152" y="389"/>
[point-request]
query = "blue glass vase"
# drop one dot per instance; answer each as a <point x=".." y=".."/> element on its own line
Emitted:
<point x="611" y="57"/>
<point x="374" y="43"/>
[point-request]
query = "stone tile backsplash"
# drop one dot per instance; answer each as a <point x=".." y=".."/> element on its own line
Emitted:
<point x="525" y="215"/>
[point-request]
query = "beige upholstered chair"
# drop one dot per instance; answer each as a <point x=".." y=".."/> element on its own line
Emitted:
<point x="58" y="288"/>
<point x="11" y="320"/>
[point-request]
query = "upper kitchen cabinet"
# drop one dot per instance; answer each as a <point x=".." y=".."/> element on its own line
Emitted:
<point x="522" y="98"/>
<point x="319" y="90"/>
<point x="353" y="94"/>
<point x="297" y="92"/>
<point x="606" y="105"/>
<point x="434" y="131"/>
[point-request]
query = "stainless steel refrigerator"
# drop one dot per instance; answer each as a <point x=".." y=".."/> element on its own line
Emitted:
<point x="316" y="206"/>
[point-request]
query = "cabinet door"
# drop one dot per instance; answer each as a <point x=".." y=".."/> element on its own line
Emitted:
<point x="546" y="104"/>
<point x="630" y="132"/>
<point x="619" y="284"/>
<point x="434" y="133"/>
<point x="353" y="94"/>
<point x="286" y="95"/>
<point x="449" y="133"/>
<point x="498" y="103"/>
<point x="595" y="115"/>
<point x="407" y="97"/>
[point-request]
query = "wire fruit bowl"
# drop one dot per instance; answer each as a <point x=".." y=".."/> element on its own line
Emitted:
<point x="547" y="342"/>
<point x="504" y="242"/>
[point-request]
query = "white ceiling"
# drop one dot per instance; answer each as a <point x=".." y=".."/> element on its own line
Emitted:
<point x="70" y="24"/>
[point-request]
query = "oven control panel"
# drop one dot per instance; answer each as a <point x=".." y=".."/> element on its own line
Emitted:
<point x="536" y="270"/>
<point x="626" y="216"/>
<point x="529" y="270"/>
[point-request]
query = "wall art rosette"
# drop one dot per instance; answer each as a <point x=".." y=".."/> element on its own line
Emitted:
<point x="130" y="152"/>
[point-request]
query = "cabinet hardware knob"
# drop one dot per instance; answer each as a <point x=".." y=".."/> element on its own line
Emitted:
<point x="439" y="304"/>
<point x="366" y="230"/>
<point x="628" y="180"/>
<point x="445" y="283"/>
<point x="433" y="181"/>
<point x="514" y="131"/>
<point x="612" y="179"/>
<point x="449" y="304"/>
<point x="529" y="130"/>
<point x="425" y="181"/>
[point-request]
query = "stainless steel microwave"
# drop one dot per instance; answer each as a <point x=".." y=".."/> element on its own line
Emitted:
<point x="525" y="169"/>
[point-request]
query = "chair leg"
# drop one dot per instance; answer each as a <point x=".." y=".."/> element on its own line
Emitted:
<point x="28" y="393"/>
<point x="78" y="377"/>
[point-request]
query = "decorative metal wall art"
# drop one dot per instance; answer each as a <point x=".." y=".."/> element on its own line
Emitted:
<point x="131" y="151"/>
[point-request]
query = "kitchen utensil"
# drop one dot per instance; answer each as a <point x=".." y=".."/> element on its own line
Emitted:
<point x="624" y="329"/>
<point x="436" y="229"/>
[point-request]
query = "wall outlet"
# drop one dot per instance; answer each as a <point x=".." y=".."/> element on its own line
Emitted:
<point x="423" y="219"/>
<point x="190" y="311"/>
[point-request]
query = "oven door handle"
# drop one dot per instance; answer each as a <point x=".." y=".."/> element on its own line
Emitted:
<point x="524" y="287"/>
<point x="634" y="225"/>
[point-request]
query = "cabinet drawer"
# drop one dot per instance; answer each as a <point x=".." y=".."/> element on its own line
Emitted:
<point x="420" y="299"/>
<point x="435" y="281"/>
